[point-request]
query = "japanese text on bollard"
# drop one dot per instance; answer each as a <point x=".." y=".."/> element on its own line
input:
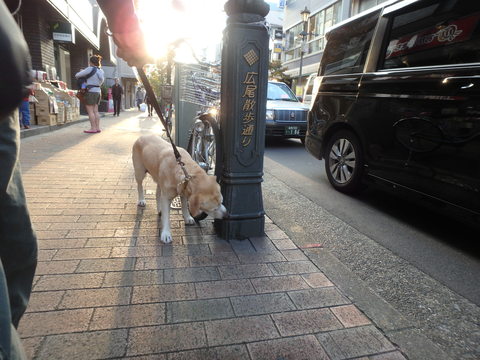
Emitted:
<point x="248" y="120"/>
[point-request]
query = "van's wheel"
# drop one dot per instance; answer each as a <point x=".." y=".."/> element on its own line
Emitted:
<point x="344" y="161"/>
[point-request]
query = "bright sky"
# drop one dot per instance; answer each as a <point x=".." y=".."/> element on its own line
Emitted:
<point x="202" y="23"/>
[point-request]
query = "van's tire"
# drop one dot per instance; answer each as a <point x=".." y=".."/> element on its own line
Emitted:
<point x="344" y="161"/>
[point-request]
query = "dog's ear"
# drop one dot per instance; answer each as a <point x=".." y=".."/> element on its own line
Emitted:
<point x="194" y="205"/>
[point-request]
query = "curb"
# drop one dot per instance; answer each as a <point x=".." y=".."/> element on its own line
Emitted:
<point x="39" y="129"/>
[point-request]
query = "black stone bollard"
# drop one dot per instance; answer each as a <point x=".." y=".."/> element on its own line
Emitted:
<point x="242" y="118"/>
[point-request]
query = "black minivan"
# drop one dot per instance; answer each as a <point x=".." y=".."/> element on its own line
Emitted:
<point x="397" y="101"/>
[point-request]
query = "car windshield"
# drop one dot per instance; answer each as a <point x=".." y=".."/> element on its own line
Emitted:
<point x="280" y="91"/>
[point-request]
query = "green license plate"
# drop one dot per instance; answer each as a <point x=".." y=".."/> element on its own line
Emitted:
<point x="292" y="130"/>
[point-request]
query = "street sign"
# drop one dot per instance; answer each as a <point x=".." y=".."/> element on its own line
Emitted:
<point x="63" y="32"/>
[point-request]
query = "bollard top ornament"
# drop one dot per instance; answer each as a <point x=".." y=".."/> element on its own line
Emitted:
<point x="236" y="7"/>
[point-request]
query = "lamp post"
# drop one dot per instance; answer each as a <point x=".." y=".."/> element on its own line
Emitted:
<point x="305" y="14"/>
<point x="242" y="116"/>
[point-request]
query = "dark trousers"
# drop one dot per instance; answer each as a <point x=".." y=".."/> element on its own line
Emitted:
<point x="150" y="109"/>
<point x="117" y="105"/>
<point x="18" y="243"/>
<point x="25" y="113"/>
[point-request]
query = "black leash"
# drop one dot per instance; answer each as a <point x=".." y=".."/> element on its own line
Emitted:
<point x="153" y="100"/>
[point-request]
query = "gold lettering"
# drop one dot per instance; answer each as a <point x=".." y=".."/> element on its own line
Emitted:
<point x="249" y="105"/>
<point x="250" y="78"/>
<point x="248" y="130"/>
<point x="249" y="117"/>
<point x="250" y="91"/>
<point x="246" y="140"/>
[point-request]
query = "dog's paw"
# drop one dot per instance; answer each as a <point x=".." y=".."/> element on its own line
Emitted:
<point x="166" y="237"/>
<point x="189" y="221"/>
<point x="141" y="203"/>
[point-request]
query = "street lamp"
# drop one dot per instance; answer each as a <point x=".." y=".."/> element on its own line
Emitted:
<point x="305" y="14"/>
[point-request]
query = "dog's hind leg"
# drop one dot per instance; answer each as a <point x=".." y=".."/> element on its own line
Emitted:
<point x="189" y="220"/>
<point x="140" y="173"/>
<point x="165" y="201"/>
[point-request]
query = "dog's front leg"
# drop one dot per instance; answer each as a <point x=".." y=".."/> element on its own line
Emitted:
<point x="164" y="202"/>
<point x="141" y="194"/>
<point x="189" y="220"/>
<point x="158" y="195"/>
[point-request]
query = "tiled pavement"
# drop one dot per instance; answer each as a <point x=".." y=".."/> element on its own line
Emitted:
<point x="107" y="288"/>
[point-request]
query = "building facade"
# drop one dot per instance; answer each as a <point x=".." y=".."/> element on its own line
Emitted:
<point x="62" y="35"/>
<point x="304" y="40"/>
<point x="275" y="29"/>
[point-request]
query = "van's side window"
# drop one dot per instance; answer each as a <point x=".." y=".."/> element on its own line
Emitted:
<point x="348" y="47"/>
<point x="434" y="35"/>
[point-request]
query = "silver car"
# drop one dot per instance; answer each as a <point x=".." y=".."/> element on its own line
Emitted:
<point x="286" y="115"/>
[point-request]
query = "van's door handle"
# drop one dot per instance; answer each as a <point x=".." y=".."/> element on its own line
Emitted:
<point x="460" y="78"/>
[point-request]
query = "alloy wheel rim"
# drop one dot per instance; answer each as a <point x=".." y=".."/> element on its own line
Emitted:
<point x="342" y="161"/>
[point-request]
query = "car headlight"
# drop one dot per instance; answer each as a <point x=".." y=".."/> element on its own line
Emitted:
<point x="270" y="114"/>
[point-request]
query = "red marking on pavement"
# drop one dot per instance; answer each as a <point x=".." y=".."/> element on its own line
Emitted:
<point x="308" y="246"/>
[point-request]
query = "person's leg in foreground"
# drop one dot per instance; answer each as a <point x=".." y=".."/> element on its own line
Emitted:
<point x="18" y="243"/>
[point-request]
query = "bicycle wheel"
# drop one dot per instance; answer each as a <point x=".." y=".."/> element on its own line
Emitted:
<point x="203" y="143"/>
<point x="203" y="147"/>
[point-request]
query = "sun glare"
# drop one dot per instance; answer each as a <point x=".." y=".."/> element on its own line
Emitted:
<point x="201" y="23"/>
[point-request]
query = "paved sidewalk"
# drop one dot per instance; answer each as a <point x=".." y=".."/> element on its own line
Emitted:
<point x="42" y="129"/>
<point x="107" y="288"/>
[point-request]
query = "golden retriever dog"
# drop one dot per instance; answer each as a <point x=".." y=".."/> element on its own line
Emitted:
<point x="201" y="193"/>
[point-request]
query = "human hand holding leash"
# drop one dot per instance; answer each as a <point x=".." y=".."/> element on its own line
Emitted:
<point x="125" y="29"/>
<point x="131" y="48"/>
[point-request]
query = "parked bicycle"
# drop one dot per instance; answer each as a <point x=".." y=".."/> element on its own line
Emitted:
<point x="200" y="85"/>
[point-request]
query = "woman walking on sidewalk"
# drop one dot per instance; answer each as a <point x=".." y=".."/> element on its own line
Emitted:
<point x="93" y="95"/>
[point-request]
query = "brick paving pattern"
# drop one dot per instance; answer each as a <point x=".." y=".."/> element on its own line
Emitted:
<point x="107" y="288"/>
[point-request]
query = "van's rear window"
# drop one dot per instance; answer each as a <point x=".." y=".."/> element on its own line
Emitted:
<point x="347" y="46"/>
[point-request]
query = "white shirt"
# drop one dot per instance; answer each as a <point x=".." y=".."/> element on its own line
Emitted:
<point x="96" y="79"/>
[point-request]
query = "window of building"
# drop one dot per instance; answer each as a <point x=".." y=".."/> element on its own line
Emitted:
<point x="319" y="23"/>
<point x="361" y="5"/>
<point x="292" y="44"/>
<point x="316" y="27"/>
<point x="348" y="46"/>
